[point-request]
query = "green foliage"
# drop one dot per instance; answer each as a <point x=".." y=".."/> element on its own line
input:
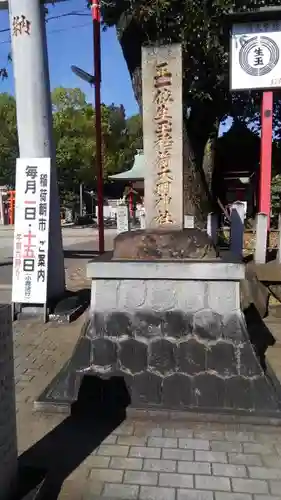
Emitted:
<point x="74" y="129"/>
<point x="276" y="197"/>
<point x="200" y="26"/>
<point x="8" y="140"/>
<point x="74" y="134"/>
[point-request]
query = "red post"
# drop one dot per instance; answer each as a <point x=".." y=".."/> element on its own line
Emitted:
<point x="97" y="74"/>
<point x="131" y="201"/>
<point x="266" y="154"/>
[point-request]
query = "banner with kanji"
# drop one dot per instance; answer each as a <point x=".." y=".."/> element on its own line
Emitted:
<point x="31" y="232"/>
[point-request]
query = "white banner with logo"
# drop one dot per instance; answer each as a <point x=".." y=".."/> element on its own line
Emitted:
<point x="31" y="232"/>
<point x="255" y="59"/>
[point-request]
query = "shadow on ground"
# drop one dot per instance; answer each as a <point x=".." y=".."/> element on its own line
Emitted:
<point x="6" y="263"/>
<point x="73" y="299"/>
<point x="100" y="408"/>
<point x="80" y="254"/>
<point x="260" y="336"/>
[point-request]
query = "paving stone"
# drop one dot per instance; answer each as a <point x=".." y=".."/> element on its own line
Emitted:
<point x="123" y="491"/>
<point x="249" y="485"/>
<point x="107" y="475"/>
<point x="124" y="430"/>
<point x="143" y="452"/>
<point x="194" y="495"/>
<point x="141" y="477"/>
<point x="79" y="474"/>
<point x="266" y="497"/>
<point x="126" y="463"/>
<point x="132" y="440"/>
<point x="176" y="480"/>
<point x="159" y="465"/>
<point x="111" y="439"/>
<point x="271" y="461"/>
<point x="41" y="351"/>
<point x="244" y="459"/>
<point x="211" y="456"/>
<point x="194" y="444"/>
<point x="225" y="446"/>
<point x="142" y="430"/>
<point x="194" y="467"/>
<point x="177" y="454"/>
<point x="275" y="487"/>
<point x="154" y="493"/>
<point x="242" y="436"/>
<point x="258" y="448"/>
<point x="232" y="496"/>
<point x="209" y="434"/>
<point x="229" y="470"/>
<point x="178" y="433"/>
<point x="113" y="450"/>
<point x="159" y="442"/>
<point x="264" y="473"/>
<point x="212" y="483"/>
<point x="91" y="490"/>
<point x="93" y="461"/>
<point x="73" y="490"/>
<point x="278" y="448"/>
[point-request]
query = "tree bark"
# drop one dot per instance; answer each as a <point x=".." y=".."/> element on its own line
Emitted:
<point x="195" y="196"/>
<point x="200" y="134"/>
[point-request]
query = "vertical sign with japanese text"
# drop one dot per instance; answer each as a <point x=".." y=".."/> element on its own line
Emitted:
<point x="31" y="232"/>
<point x="162" y="136"/>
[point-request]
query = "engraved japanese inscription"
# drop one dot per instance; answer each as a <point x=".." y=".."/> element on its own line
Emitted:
<point x="162" y="129"/>
<point x="163" y="142"/>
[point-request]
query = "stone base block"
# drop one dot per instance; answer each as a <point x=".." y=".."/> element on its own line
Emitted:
<point x="180" y="343"/>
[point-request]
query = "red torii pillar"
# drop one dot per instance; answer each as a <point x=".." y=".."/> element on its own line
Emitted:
<point x="266" y="155"/>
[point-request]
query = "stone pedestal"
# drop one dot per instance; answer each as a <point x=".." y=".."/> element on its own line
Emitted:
<point x="174" y="331"/>
<point x="8" y="430"/>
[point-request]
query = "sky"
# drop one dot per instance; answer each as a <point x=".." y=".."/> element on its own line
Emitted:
<point x="70" y="43"/>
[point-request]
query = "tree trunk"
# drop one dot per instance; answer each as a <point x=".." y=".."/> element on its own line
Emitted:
<point x="196" y="197"/>
<point x="199" y="137"/>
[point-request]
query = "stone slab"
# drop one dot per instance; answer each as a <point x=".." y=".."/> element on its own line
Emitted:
<point x="164" y="244"/>
<point x="169" y="270"/>
<point x="162" y="296"/>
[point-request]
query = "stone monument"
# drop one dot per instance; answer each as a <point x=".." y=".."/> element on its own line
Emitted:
<point x="165" y="311"/>
<point x="162" y="123"/>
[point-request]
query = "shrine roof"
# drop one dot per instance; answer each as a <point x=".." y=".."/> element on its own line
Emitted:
<point x="135" y="173"/>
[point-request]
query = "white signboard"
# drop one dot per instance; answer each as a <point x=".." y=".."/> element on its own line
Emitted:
<point x="122" y="218"/>
<point x="255" y="58"/>
<point x="31" y="233"/>
<point x="142" y="218"/>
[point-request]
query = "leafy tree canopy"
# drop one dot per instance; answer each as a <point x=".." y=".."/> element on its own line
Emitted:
<point x="8" y="139"/>
<point x="200" y="26"/>
<point x="74" y="133"/>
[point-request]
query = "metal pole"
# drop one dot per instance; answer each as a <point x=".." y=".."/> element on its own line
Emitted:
<point x="266" y="155"/>
<point x="97" y="74"/>
<point x="34" y="114"/>
<point x="81" y="199"/>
